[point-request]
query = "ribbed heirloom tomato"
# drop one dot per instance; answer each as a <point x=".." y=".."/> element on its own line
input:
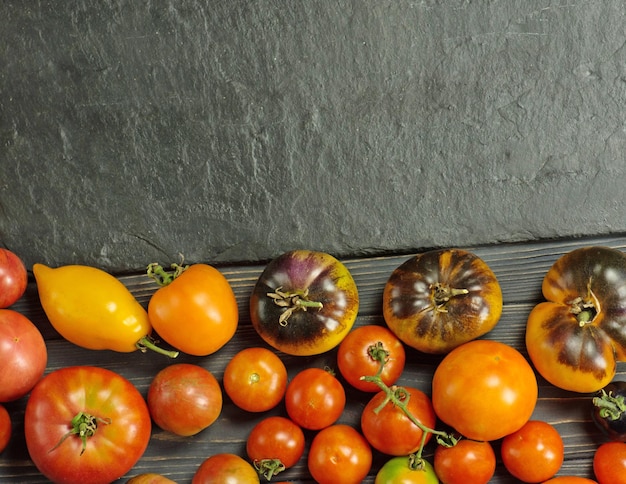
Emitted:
<point x="484" y="389"/>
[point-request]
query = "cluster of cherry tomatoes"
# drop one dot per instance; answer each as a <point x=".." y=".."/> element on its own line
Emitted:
<point x="305" y="303"/>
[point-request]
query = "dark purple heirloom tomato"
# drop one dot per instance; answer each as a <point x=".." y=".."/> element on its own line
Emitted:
<point x="304" y="303"/>
<point x="609" y="410"/>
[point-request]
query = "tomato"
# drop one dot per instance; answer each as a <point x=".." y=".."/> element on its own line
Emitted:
<point x="225" y="469"/>
<point x="6" y="427"/>
<point x="184" y="399"/>
<point x="466" y="462"/>
<point x="255" y="379"/>
<point x="275" y="444"/>
<point x="195" y="309"/>
<point x="609" y="463"/>
<point x="13" y="278"/>
<point x="387" y="427"/>
<point x="440" y="299"/>
<point x="23" y="355"/>
<point x="85" y="424"/>
<point x="360" y="354"/>
<point x="93" y="309"/>
<point x="339" y="455"/>
<point x="402" y="470"/>
<point x="304" y="303"/>
<point x="570" y="480"/>
<point x="150" y="478"/>
<point x="537" y="442"/>
<point x="314" y="399"/>
<point x="491" y="382"/>
<point x="575" y="337"/>
<point x="609" y="410"/>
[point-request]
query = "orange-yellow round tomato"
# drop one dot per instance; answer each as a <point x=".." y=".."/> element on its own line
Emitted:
<point x="484" y="389"/>
<point x="576" y="336"/>
<point x="304" y="303"/>
<point x="195" y="311"/>
<point x="440" y="299"/>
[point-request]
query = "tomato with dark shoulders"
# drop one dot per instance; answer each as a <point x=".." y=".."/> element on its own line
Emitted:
<point x="304" y="303"/>
<point x="440" y="299"/>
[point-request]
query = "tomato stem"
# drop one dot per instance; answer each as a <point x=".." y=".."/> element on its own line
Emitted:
<point x="84" y="426"/>
<point x="161" y="276"/>
<point x="269" y="467"/>
<point x="292" y="301"/>
<point x="611" y="407"/>
<point x="146" y="343"/>
<point x="441" y="294"/>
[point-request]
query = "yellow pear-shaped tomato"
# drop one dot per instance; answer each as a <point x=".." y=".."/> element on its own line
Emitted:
<point x="93" y="309"/>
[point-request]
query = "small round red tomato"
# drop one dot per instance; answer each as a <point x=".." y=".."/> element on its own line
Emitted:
<point x="440" y="299"/>
<point x="13" y="278"/>
<point x="339" y="454"/>
<point x="6" y="428"/>
<point x="609" y="463"/>
<point x="466" y="462"/>
<point x="150" y="478"/>
<point x="255" y="379"/>
<point x="576" y="336"/>
<point x="275" y="444"/>
<point x="537" y="442"/>
<point x="23" y="355"/>
<point x="388" y="428"/>
<point x="184" y="399"/>
<point x="85" y="424"/>
<point x="225" y="469"/>
<point x="194" y="310"/>
<point x="570" y="480"/>
<point x="304" y="303"/>
<point x="361" y="352"/>
<point x="491" y="382"/>
<point x="406" y="470"/>
<point x="315" y="399"/>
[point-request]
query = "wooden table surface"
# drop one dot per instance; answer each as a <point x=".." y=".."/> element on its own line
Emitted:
<point x="520" y="269"/>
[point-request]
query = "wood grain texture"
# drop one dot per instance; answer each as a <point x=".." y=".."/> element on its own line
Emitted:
<point x="519" y="267"/>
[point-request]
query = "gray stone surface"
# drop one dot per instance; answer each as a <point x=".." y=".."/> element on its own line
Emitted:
<point x="234" y="130"/>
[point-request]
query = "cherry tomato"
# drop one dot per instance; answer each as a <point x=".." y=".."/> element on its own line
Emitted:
<point x="339" y="454"/>
<point x="23" y="355"/>
<point x="184" y="399"/>
<point x="255" y="379"/>
<point x="570" y="480"/>
<point x="304" y="303"/>
<point x="493" y="384"/>
<point x="576" y="336"/>
<point x="85" y="424"/>
<point x="360" y="354"/>
<point x="387" y="427"/>
<point x="609" y="463"/>
<point x="467" y="462"/>
<point x="13" y="278"/>
<point x="537" y="442"/>
<point x="225" y="469"/>
<point x="609" y="410"/>
<point x="6" y="427"/>
<point x="150" y="478"/>
<point x="275" y="444"/>
<point x="194" y="310"/>
<point x="314" y="399"/>
<point x="438" y="300"/>
<point x="402" y="470"/>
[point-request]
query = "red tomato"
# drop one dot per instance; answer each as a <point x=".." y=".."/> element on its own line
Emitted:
<point x="85" y="424"/>
<point x="570" y="480"/>
<point x="402" y="470"/>
<point x="467" y="462"/>
<point x="275" y="444"/>
<point x="339" y="454"/>
<point x="195" y="311"/>
<point x="360" y="354"/>
<point x="389" y="430"/>
<point x="537" y="442"/>
<point x="23" y="355"/>
<point x="609" y="463"/>
<point x="184" y="399"/>
<point x="491" y="382"/>
<point x="314" y="399"/>
<point x="5" y="428"/>
<point x="255" y="379"/>
<point x="225" y="469"/>
<point x="150" y="478"/>
<point x="13" y="278"/>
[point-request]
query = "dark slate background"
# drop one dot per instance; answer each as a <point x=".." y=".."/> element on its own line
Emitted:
<point x="230" y="131"/>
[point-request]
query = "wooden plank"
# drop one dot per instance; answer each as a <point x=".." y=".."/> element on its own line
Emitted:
<point x="519" y="267"/>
